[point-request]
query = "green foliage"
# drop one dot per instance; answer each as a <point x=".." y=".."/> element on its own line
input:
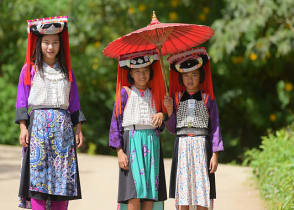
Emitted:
<point x="252" y="52"/>
<point x="273" y="165"/>
<point x="8" y="130"/>
<point x="261" y="27"/>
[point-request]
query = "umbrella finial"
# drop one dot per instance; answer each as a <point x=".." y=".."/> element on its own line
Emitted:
<point x="154" y="19"/>
<point x="154" y="15"/>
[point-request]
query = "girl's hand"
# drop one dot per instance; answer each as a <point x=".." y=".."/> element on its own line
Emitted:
<point x="213" y="163"/>
<point x="79" y="135"/>
<point x="24" y="134"/>
<point x="157" y="119"/>
<point x="123" y="161"/>
<point x="24" y="137"/>
<point x="168" y="103"/>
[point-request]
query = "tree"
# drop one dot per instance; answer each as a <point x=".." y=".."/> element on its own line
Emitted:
<point x="253" y="54"/>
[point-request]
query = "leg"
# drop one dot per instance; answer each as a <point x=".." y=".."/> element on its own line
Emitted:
<point x="134" y="204"/>
<point x="201" y="208"/>
<point x="38" y="204"/>
<point x="59" y="205"/>
<point x="147" y="205"/>
<point x="183" y="207"/>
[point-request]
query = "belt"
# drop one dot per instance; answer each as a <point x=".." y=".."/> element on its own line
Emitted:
<point x="192" y="132"/>
<point x="138" y="127"/>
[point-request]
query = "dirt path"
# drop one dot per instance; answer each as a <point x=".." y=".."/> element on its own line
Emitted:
<point x="235" y="190"/>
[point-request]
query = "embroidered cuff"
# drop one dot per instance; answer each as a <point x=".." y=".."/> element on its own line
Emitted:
<point x="77" y="117"/>
<point x="21" y="114"/>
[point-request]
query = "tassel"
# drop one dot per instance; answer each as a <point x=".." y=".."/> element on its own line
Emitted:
<point x="28" y="61"/>
<point x="31" y="45"/>
<point x="207" y="85"/>
<point x="121" y="81"/>
<point x="157" y="87"/>
<point x="65" y="39"/>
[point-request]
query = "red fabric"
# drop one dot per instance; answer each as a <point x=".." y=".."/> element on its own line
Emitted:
<point x="31" y="47"/>
<point x="121" y="80"/>
<point x="171" y="37"/>
<point x="174" y="84"/>
<point x="207" y="85"/>
<point x="156" y="85"/>
<point x="65" y="39"/>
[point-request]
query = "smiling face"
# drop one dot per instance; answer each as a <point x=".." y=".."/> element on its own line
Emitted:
<point x="141" y="77"/>
<point x="191" y="80"/>
<point x="50" y="47"/>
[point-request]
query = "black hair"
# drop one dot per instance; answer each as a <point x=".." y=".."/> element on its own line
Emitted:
<point x="38" y="56"/>
<point x="130" y="78"/>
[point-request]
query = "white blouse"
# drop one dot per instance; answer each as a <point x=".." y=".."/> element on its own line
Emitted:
<point x="50" y="91"/>
<point x="139" y="109"/>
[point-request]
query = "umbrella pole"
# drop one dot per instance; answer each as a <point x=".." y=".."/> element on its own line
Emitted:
<point x="163" y="70"/>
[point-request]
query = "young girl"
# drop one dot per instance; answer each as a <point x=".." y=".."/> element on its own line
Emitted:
<point x="193" y="117"/>
<point x="134" y="132"/>
<point x="49" y="175"/>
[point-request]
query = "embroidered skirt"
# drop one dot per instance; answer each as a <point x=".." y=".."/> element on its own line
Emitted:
<point x="145" y="178"/>
<point x="190" y="183"/>
<point x="49" y="166"/>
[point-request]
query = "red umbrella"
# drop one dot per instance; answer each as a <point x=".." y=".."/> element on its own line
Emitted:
<point x="168" y="38"/>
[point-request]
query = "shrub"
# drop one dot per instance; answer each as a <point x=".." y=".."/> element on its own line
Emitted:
<point x="273" y="165"/>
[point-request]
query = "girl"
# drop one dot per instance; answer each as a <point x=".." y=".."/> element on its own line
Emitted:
<point x="49" y="175"/>
<point x="134" y="132"/>
<point x="193" y="117"/>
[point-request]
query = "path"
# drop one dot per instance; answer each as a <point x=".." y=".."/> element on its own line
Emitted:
<point x="99" y="173"/>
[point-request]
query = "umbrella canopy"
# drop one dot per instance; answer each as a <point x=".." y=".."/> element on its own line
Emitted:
<point x="169" y="38"/>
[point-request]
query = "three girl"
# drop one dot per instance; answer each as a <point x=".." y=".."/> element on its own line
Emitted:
<point x="193" y="117"/>
<point x="134" y="132"/>
<point x="50" y="175"/>
<point x="47" y="86"/>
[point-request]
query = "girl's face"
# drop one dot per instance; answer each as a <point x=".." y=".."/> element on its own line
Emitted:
<point x="191" y="80"/>
<point x="50" y="47"/>
<point x="141" y="77"/>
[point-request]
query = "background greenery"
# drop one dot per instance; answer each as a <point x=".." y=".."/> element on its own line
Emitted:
<point x="273" y="165"/>
<point x="252" y="54"/>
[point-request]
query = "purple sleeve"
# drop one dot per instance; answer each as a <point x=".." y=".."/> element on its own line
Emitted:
<point x="116" y="129"/>
<point x="74" y="103"/>
<point x="215" y="133"/>
<point x="171" y="122"/>
<point x="23" y="92"/>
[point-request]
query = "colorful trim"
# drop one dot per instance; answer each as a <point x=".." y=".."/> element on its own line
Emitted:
<point x="137" y="54"/>
<point x="178" y="64"/>
<point x="47" y="20"/>
<point x="56" y="19"/>
<point x="180" y="56"/>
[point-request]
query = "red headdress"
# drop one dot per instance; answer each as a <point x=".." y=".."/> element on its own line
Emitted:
<point x="195" y="57"/>
<point x="51" y="25"/>
<point x="138" y="60"/>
